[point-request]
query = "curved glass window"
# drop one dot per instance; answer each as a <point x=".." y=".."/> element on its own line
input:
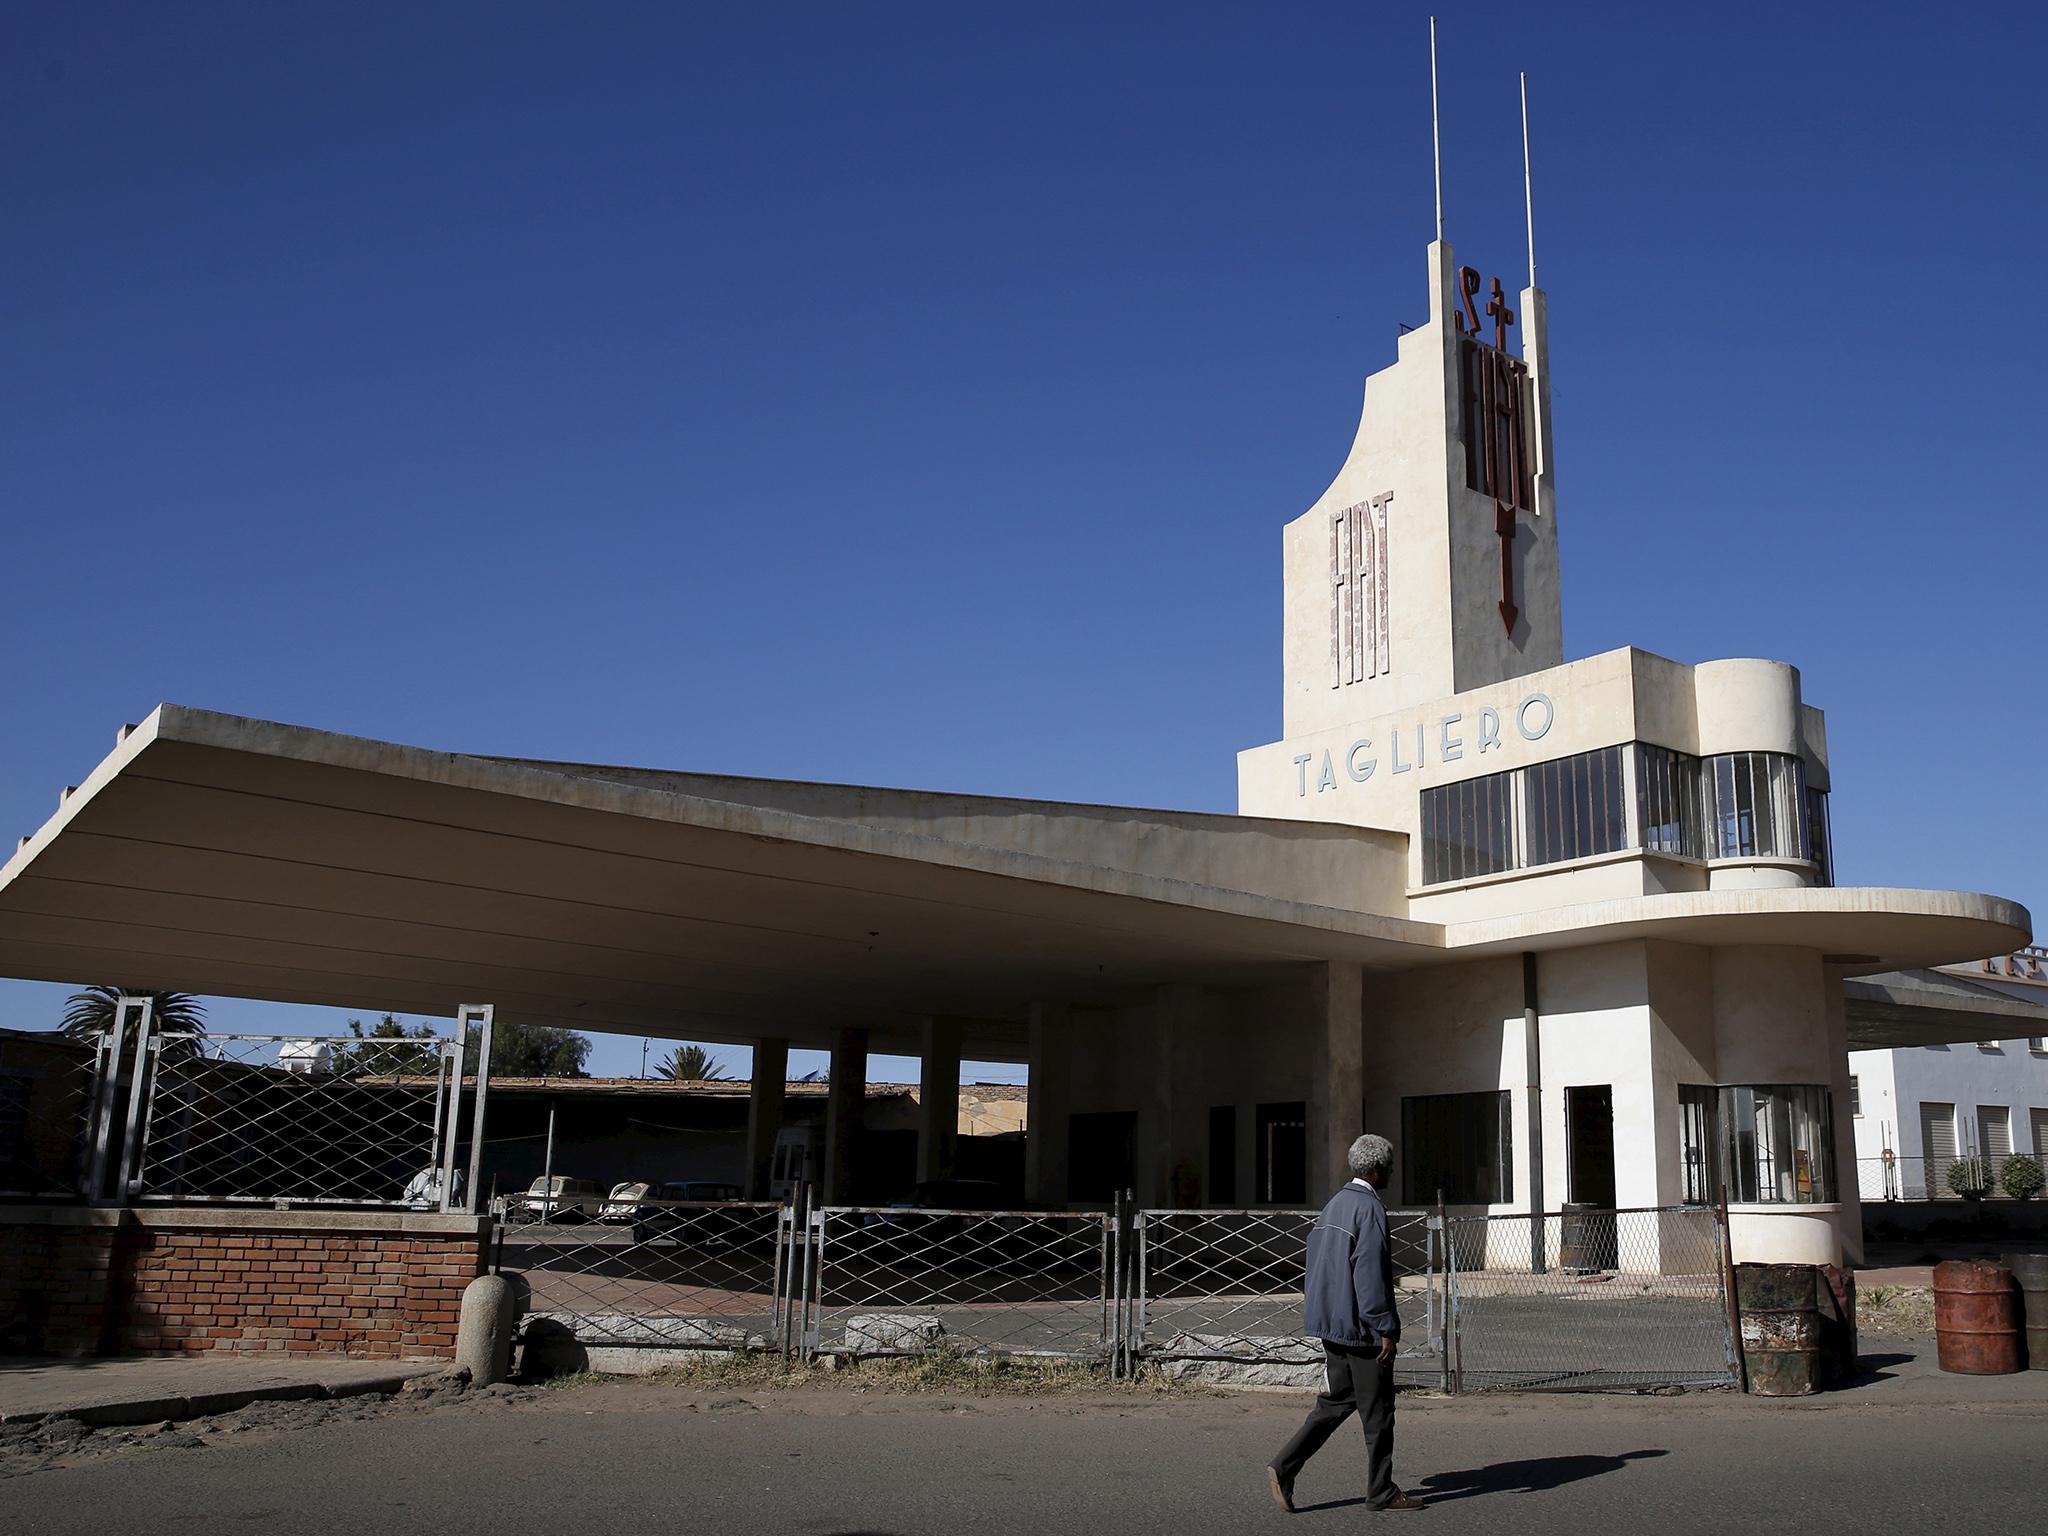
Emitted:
<point x="1779" y="1144"/>
<point x="1759" y="806"/>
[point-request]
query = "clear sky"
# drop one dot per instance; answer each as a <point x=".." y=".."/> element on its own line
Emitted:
<point x="913" y="394"/>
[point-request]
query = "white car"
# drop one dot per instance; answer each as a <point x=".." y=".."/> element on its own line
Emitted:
<point x="568" y="1200"/>
<point x="423" y="1190"/>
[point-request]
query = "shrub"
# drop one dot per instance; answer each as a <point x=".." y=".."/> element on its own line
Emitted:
<point x="1969" y="1177"/>
<point x="2021" y="1177"/>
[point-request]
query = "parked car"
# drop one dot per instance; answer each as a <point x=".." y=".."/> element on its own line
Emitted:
<point x="907" y="1220"/>
<point x="423" y="1190"/>
<point x="568" y="1200"/>
<point x="628" y="1201"/>
<point x="685" y="1209"/>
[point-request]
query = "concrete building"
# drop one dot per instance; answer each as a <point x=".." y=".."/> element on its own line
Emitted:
<point x="1565" y="929"/>
<point x="1919" y="1108"/>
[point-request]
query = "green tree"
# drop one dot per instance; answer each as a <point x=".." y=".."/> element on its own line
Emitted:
<point x="691" y="1064"/>
<point x="534" y="1050"/>
<point x="413" y="1052"/>
<point x="92" y="1011"/>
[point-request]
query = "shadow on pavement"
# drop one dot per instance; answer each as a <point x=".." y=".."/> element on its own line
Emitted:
<point x="1532" y="1476"/>
<point x="1871" y="1368"/>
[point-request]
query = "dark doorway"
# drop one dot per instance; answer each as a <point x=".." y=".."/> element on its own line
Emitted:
<point x="1100" y="1155"/>
<point x="1283" y="1154"/>
<point x="1589" y="1144"/>
<point x="1223" y="1154"/>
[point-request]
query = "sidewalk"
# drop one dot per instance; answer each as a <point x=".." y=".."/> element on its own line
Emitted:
<point x="151" y="1389"/>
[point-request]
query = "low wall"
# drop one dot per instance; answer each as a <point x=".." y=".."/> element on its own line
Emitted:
<point x="376" y="1285"/>
<point x="1906" y="1220"/>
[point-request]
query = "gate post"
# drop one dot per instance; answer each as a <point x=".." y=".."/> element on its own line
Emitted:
<point x="483" y="1014"/>
<point x="131" y="1132"/>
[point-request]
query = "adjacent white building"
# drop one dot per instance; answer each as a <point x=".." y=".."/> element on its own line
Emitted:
<point x="1918" y="1109"/>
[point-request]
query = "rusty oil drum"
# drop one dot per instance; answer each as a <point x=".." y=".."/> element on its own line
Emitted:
<point x="1976" y="1319"/>
<point x="2030" y="1271"/>
<point x="1781" y="1328"/>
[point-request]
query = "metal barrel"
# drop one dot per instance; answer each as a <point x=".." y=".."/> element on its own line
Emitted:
<point x="2030" y="1271"/>
<point x="1781" y="1328"/>
<point x="1586" y="1238"/>
<point x="1976" y="1319"/>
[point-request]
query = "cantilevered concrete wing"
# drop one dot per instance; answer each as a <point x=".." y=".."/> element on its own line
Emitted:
<point x="220" y="855"/>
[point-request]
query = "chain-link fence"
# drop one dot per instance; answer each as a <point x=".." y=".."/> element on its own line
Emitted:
<point x="49" y="1091"/>
<point x="645" y="1272"/>
<point x="1227" y="1286"/>
<point x="1622" y="1299"/>
<point x="888" y="1280"/>
<point x="1994" y="1176"/>
<point x="336" y="1121"/>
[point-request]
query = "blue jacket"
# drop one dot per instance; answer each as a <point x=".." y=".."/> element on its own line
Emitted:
<point x="1348" y="1292"/>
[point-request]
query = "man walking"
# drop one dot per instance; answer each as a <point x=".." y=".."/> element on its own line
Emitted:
<point x="1349" y="1305"/>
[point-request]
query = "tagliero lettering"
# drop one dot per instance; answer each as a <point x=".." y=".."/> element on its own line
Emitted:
<point x="1532" y="719"/>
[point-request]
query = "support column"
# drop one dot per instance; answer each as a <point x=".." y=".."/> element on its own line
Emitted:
<point x="938" y="1099"/>
<point x="1336" y="1055"/>
<point x="846" y="1097"/>
<point x="764" y="1113"/>
<point x="1048" y="1103"/>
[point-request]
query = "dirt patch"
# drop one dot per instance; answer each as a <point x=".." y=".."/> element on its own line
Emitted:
<point x="1895" y="1309"/>
<point x="945" y="1375"/>
<point x="56" y="1442"/>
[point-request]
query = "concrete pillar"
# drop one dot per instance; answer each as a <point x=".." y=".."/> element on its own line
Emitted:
<point x="483" y="1337"/>
<point x="1335" y="1036"/>
<point x="1048" y="1101"/>
<point x="938" y="1098"/>
<point x="764" y="1112"/>
<point x="846" y="1099"/>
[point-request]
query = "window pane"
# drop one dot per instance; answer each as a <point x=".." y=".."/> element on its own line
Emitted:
<point x="1779" y="1144"/>
<point x="1467" y="829"/>
<point x="1459" y="1143"/>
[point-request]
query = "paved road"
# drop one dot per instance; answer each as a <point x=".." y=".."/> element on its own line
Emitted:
<point x="1923" y="1455"/>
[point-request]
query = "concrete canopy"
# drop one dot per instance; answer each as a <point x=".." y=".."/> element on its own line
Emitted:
<point x="214" y="854"/>
<point x="1920" y="1007"/>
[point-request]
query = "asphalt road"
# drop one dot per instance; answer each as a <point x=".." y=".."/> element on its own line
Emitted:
<point x="635" y="1457"/>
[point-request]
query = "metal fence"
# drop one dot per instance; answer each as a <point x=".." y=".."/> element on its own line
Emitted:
<point x="1582" y="1301"/>
<point x="1227" y="1286"/>
<point x="1896" y="1177"/>
<point x="49" y="1089"/>
<point x="330" y="1121"/>
<point x="666" y="1274"/>
<point x="883" y="1280"/>
<point x="1623" y="1299"/>
<point x="134" y="1113"/>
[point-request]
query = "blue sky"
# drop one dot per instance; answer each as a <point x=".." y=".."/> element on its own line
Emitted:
<point x="913" y="394"/>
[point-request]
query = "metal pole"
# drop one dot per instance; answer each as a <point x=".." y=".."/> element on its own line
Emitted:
<point x="1436" y="142"/>
<point x="107" y="1091"/>
<point x="131" y="1133"/>
<point x="1443" y="1228"/>
<point x="485" y="1011"/>
<point x="449" y="1123"/>
<point x="1737" y="1366"/>
<point x="547" y="1170"/>
<point x="1528" y="196"/>
<point x="1532" y="1052"/>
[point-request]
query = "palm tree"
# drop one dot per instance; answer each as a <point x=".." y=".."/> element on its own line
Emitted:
<point x="92" y="1012"/>
<point x="690" y="1064"/>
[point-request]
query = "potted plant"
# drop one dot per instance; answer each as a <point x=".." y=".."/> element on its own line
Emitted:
<point x="1969" y="1177"/>
<point x="2021" y="1178"/>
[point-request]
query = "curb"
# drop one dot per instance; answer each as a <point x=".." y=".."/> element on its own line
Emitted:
<point x="199" y="1405"/>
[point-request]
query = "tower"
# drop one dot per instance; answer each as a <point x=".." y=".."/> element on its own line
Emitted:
<point x="1430" y="566"/>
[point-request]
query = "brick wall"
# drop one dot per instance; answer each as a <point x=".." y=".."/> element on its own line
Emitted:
<point x="54" y="1281"/>
<point x="158" y="1282"/>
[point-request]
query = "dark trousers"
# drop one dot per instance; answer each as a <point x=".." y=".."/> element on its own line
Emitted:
<point x="1354" y="1381"/>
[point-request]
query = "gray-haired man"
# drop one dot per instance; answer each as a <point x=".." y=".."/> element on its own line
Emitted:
<point x="1349" y="1305"/>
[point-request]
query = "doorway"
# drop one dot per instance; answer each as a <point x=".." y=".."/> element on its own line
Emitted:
<point x="1589" y="1145"/>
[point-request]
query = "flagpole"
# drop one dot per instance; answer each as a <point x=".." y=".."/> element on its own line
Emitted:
<point x="1436" y="141"/>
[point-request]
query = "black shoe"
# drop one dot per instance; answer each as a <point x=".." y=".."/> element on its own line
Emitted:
<point x="1282" y="1487"/>
<point x="1400" y="1500"/>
